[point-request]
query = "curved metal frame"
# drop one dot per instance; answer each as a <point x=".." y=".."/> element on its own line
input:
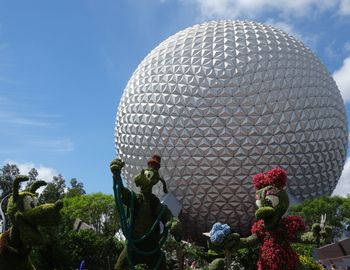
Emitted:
<point x="2" y="212"/>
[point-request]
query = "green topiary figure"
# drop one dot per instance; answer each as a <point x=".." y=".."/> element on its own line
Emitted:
<point x="141" y="228"/>
<point x="273" y="231"/>
<point x="217" y="264"/>
<point x="320" y="234"/>
<point x="26" y="216"/>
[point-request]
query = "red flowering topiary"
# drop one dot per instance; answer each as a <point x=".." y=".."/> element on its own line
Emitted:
<point x="272" y="231"/>
<point x="276" y="177"/>
<point x="276" y="252"/>
<point x="293" y="225"/>
<point x="258" y="228"/>
<point x="260" y="180"/>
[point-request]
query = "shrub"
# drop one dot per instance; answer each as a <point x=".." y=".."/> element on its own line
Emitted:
<point x="309" y="263"/>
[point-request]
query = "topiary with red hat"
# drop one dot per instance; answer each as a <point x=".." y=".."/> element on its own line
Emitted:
<point x="141" y="228"/>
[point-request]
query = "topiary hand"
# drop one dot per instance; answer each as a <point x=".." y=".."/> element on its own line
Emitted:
<point x="232" y="241"/>
<point x="229" y="242"/>
<point x="175" y="228"/>
<point x="116" y="166"/>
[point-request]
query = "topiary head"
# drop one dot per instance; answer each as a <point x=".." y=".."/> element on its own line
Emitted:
<point x="149" y="176"/>
<point x="271" y="198"/>
<point x="26" y="215"/>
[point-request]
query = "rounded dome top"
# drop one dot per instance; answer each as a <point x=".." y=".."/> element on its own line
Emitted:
<point x="222" y="101"/>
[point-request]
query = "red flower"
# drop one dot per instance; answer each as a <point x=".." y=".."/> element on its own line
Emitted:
<point x="258" y="228"/>
<point x="276" y="255"/>
<point x="276" y="252"/>
<point x="260" y="180"/>
<point x="293" y="225"/>
<point x="277" y="177"/>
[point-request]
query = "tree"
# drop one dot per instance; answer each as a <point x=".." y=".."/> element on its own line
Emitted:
<point x="336" y="208"/>
<point x="96" y="209"/>
<point x="64" y="248"/>
<point x="7" y="175"/>
<point x="76" y="189"/>
<point x="33" y="175"/>
<point x="54" y="190"/>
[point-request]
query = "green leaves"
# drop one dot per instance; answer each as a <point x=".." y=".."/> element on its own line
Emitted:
<point x="96" y="209"/>
<point x="64" y="248"/>
<point x="336" y="208"/>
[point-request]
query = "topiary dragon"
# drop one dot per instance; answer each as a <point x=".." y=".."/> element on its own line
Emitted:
<point x="26" y="216"/>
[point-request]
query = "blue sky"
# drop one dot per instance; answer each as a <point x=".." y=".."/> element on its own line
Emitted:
<point x="64" y="65"/>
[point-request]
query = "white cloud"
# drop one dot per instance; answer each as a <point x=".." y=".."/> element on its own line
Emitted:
<point x="344" y="7"/>
<point x="213" y="9"/>
<point x="44" y="173"/>
<point x="343" y="187"/>
<point x="342" y="78"/>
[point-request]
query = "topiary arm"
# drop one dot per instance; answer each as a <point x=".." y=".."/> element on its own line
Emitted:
<point x="116" y="167"/>
<point x="172" y="223"/>
<point x="233" y="242"/>
<point x="249" y="241"/>
<point x="167" y="215"/>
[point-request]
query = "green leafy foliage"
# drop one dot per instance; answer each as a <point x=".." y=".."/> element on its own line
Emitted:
<point x="96" y="209"/>
<point x="303" y="249"/>
<point x="246" y="257"/>
<point x="309" y="263"/>
<point x="54" y="190"/>
<point x="76" y="189"/>
<point x="336" y="208"/>
<point x="26" y="220"/>
<point x="64" y="248"/>
<point x="7" y="174"/>
<point x="33" y="175"/>
<point x="96" y="249"/>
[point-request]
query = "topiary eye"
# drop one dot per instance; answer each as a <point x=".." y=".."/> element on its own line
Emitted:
<point x="29" y="202"/>
<point x="258" y="203"/>
<point x="148" y="174"/>
<point x="272" y="200"/>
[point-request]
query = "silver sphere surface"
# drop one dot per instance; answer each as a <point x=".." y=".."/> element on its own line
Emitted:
<point x="222" y="101"/>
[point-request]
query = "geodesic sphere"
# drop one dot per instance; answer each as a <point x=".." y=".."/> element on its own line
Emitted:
<point x="222" y="101"/>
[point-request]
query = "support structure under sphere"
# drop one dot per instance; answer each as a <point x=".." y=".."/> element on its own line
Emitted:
<point x="222" y="101"/>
